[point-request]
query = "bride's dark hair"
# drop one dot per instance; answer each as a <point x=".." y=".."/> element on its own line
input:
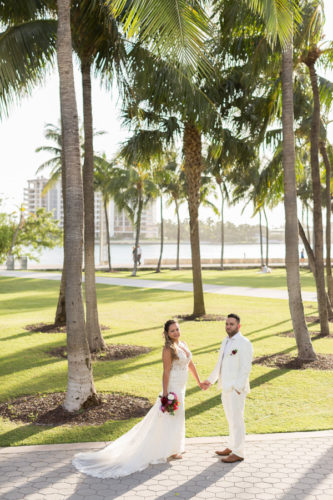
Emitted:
<point x="168" y="342"/>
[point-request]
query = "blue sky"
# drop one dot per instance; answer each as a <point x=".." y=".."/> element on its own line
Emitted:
<point x="22" y="132"/>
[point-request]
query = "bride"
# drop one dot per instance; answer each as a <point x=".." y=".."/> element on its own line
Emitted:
<point x="159" y="435"/>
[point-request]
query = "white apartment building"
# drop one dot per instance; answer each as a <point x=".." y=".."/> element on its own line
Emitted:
<point x="120" y="225"/>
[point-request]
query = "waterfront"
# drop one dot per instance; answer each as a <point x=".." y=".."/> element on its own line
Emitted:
<point x="121" y="253"/>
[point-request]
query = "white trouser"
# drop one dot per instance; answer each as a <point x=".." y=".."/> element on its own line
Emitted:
<point x="233" y="405"/>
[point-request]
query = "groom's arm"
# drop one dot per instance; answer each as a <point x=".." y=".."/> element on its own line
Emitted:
<point x="215" y="373"/>
<point x="245" y="354"/>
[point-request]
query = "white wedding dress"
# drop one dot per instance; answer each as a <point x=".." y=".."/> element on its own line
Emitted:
<point x="152" y="441"/>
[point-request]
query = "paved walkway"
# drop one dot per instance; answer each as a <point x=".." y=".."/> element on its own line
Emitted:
<point x="266" y="293"/>
<point x="295" y="466"/>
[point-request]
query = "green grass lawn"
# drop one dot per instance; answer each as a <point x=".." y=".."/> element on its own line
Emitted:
<point x="236" y="277"/>
<point x="280" y="401"/>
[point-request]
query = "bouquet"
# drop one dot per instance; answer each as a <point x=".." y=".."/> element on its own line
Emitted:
<point x="169" y="403"/>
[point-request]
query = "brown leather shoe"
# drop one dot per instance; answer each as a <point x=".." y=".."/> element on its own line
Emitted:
<point x="232" y="458"/>
<point x="224" y="453"/>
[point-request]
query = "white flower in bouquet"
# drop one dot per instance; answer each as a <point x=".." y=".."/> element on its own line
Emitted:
<point x="171" y="397"/>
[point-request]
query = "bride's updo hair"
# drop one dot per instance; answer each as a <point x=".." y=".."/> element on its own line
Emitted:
<point x="168" y="341"/>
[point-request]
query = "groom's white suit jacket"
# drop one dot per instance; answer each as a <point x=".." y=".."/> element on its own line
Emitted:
<point x="232" y="369"/>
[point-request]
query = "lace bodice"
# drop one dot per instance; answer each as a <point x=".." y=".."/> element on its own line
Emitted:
<point x="181" y="364"/>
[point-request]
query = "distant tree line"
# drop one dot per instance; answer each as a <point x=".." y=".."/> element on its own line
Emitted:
<point x="210" y="231"/>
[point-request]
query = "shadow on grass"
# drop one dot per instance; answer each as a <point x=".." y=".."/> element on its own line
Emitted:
<point x="26" y="359"/>
<point x="20" y="433"/>
<point x="129" y="294"/>
<point x="17" y="336"/>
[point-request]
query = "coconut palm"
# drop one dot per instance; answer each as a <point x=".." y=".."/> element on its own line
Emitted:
<point x="27" y="48"/>
<point x="261" y="52"/>
<point x="80" y="380"/>
<point x="176" y="190"/>
<point x="132" y="188"/>
<point x="313" y="25"/>
<point x="163" y="176"/>
<point x="102" y="178"/>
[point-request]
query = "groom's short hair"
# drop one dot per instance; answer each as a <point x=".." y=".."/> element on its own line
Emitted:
<point x="232" y="315"/>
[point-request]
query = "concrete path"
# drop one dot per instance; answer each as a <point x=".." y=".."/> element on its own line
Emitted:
<point x="266" y="293"/>
<point x="295" y="466"/>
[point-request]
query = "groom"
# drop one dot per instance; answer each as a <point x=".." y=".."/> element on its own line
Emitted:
<point x="232" y="372"/>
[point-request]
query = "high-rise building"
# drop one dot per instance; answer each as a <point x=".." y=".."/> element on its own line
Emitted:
<point x="120" y="225"/>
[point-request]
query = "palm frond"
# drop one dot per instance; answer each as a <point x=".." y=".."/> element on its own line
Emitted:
<point x="279" y="16"/>
<point x="26" y="51"/>
<point x="175" y="29"/>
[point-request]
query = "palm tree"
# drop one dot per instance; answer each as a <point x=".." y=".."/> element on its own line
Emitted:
<point x="102" y="178"/>
<point x="56" y="162"/>
<point x="262" y="53"/>
<point x="80" y="380"/>
<point x="176" y="190"/>
<point x="53" y="133"/>
<point x="304" y="345"/>
<point x="162" y="178"/>
<point x="27" y="49"/>
<point x="309" y="58"/>
<point x="132" y="188"/>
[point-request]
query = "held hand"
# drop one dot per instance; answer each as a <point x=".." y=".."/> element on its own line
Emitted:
<point x="205" y="385"/>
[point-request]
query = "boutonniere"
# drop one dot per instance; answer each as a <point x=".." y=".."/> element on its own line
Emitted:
<point x="233" y="352"/>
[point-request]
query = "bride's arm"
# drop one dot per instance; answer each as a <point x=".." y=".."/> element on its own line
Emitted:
<point x="193" y="370"/>
<point x="167" y="362"/>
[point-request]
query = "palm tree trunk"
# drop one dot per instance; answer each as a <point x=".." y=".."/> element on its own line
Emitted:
<point x="193" y="168"/>
<point x="138" y="228"/>
<point x="95" y="339"/>
<point x="312" y="264"/>
<point x="60" y="316"/>
<point x="158" y="269"/>
<point x="80" y="386"/>
<point x="107" y="232"/>
<point x="178" y="233"/>
<point x="222" y="228"/>
<point x="261" y="242"/>
<point x="316" y="189"/>
<point x="267" y="238"/>
<point x="308" y="225"/>
<point x="303" y="341"/>
<point x="327" y="163"/>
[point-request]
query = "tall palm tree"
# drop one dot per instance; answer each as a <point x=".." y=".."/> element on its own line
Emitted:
<point x="80" y="380"/>
<point x="102" y="178"/>
<point x="27" y="48"/>
<point x="304" y="345"/>
<point x="177" y="194"/>
<point x="162" y="178"/>
<point x="282" y="35"/>
<point x="132" y="188"/>
<point x="56" y="162"/>
<point x="314" y="24"/>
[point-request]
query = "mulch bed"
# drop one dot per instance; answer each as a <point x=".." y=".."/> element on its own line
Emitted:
<point x="315" y="319"/>
<point x="47" y="409"/>
<point x="206" y="317"/>
<point x="112" y="352"/>
<point x="323" y="362"/>
<point x="51" y="328"/>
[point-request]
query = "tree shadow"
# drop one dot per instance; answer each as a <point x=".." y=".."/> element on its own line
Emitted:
<point x="325" y="459"/>
<point x="17" y="336"/>
<point x="27" y="359"/>
<point x="119" y="487"/>
<point x="21" y="433"/>
<point x="199" y="482"/>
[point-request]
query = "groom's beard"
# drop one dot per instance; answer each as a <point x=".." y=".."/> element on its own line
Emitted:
<point x="233" y="332"/>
